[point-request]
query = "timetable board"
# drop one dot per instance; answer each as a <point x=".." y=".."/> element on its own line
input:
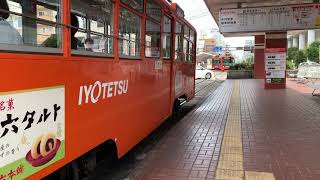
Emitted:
<point x="275" y="63"/>
<point x="276" y="18"/>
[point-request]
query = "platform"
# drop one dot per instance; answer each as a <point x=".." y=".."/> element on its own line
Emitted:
<point x="241" y="131"/>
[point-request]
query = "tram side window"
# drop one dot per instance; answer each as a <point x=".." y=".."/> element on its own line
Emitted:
<point x="179" y="42"/>
<point x="92" y="27"/>
<point x="129" y="34"/>
<point x="186" y="43"/>
<point x="30" y="24"/>
<point x="166" y="38"/>
<point x="153" y="10"/>
<point x="191" y="46"/>
<point x="152" y="39"/>
<point x="135" y="4"/>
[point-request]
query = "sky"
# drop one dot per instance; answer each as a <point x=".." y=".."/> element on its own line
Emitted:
<point x="197" y="13"/>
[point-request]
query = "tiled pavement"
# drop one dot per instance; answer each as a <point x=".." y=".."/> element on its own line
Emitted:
<point x="281" y="132"/>
<point x="279" y="137"/>
<point x="190" y="150"/>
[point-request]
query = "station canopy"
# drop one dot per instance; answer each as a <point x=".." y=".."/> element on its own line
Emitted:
<point x="253" y="17"/>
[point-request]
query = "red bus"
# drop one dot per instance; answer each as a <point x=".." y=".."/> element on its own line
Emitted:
<point x="86" y="80"/>
<point x="222" y="62"/>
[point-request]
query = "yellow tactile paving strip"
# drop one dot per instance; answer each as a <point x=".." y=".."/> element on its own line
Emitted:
<point x="250" y="175"/>
<point x="230" y="166"/>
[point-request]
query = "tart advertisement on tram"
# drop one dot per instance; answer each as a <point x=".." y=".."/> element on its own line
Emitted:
<point x="32" y="131"/>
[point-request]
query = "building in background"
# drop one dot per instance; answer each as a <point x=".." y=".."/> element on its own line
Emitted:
<point x="302" y="39"/>
<point x="208" y="40"/>
<point x="240" y="47"/>
<point x="42" y="31"/>
<point x="45" y="31"/>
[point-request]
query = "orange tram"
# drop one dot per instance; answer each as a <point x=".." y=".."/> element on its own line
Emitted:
<point x="84" y="81"/>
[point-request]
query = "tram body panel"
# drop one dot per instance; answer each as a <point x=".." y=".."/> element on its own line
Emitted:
<point x="125" y="118"/>
<point x="104" y="98"/>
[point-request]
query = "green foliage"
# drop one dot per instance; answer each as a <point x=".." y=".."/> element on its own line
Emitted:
<point x="249" y="60"/>
<point x="312" y="52"/>
<point x="296" y="55"/>
<point x="301" y="57"/>
<point x="242" y="66"/>
<point x="245" y="65"/>
<point x="290" y="65"/>
<point x="292" y="53"/>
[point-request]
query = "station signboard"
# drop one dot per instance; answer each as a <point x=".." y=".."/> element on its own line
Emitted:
<point x="278" y="18"/>
<point x="275" y="64"/>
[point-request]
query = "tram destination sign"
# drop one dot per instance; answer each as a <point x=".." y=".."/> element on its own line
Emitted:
<point x="293" y="17"/>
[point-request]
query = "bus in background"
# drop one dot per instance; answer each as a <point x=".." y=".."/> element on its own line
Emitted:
<point x="84" y="81"/>
<point x="222" y="62"/>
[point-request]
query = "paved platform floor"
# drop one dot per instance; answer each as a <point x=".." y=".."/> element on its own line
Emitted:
<point x="241" y="131"/>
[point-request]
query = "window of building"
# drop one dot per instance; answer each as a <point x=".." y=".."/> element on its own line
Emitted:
<point x="135" y="4"/>
<point x="22" y="26"/>
<point x="179" y="42"/>
<point x="152" y="39"/>
<point x="92" y="27"/>
<point x="153" y="10"/>
<point x="166" y="38"/>
<point x="129" y="34"/>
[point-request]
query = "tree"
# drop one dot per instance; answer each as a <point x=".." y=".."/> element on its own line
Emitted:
<point x="249" y="60"/>
<point x="296" y="55"/>
<point x="290" y="65"/>
<point x="312" y="51"/>
<point x="299" y="58"/>
<point x="292" y="52"/>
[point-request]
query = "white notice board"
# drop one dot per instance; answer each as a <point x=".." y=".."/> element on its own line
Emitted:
<point x="277" y="18"/>
<point x="275" y="63"/>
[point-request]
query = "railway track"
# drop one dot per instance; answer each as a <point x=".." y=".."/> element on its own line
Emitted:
<point x="199" y="81"/>
<point x="203" y="85"/>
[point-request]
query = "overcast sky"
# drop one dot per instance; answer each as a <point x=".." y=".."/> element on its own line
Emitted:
<point x="197" y="13"/>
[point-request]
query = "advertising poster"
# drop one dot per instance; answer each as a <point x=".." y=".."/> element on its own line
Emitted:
<point x="275" y="74"/>
<point x="32" y="130"/>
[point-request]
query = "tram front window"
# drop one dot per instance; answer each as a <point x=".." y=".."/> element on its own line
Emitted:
<point x="29" y="24"/>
